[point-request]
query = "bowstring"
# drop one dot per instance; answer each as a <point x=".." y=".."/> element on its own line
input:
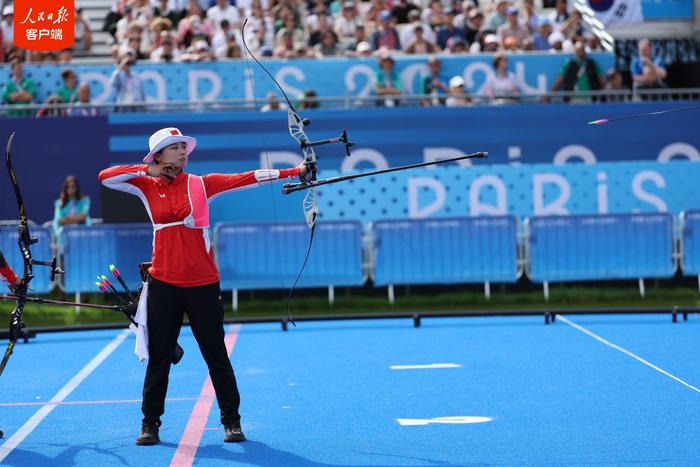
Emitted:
<point x="278" y="249"/>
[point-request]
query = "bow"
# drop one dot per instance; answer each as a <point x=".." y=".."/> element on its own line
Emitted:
<point x="296" y="129"/>
<point x="24" y="241"/>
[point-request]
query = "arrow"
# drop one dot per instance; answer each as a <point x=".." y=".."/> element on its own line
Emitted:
<point x="645" y="114"/>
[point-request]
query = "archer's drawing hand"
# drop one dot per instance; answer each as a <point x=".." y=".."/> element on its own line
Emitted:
<point x="306" y="172"/>
<point x="167" y="172"/>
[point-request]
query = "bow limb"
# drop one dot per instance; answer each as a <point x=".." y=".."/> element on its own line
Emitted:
<point x="24" y="242"/>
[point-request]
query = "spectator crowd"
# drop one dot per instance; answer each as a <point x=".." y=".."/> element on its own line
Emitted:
<point x="170" y="31"/>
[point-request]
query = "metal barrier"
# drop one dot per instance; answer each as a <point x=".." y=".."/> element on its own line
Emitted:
<point x="445" y="251"/>
<point x="90" y="250"/>
<point x="270" y="255"/>
<point x="689" y="243"/>
<point x="429" y="251"/>
<point x="600" y="247"/>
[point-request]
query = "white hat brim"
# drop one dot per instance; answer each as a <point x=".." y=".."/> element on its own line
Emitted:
<point x="188" y="140"/>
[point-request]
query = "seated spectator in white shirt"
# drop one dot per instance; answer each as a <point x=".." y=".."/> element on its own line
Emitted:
<point x="318" y="21"/>
<point x="346" y="23"/>
<point x="407" y="36"/>
<point x="461" y="20"/>
<point x="419" y="44"/>
<point x="223" y="11"/>
<point x="221" y="35"/>
<point x="502" y="85"/>
<point x="560" y="14"/>
<point x="167" y="52"/>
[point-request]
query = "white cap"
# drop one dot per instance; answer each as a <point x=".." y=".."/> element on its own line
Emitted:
<point x="165" y="137"/>
<point x="201" y="45"/>
<point x="555" y="37"/>
<point x="363" y="46"/>
<point x="8" y="10"/>
<point x="456" y="81"/>
<point x="491" y="39"/>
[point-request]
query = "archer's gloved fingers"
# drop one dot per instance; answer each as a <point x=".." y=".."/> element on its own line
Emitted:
<point x="309" y="175"/>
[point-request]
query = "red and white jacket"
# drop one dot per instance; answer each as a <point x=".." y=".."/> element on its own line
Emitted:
<point x="181" y="250"/>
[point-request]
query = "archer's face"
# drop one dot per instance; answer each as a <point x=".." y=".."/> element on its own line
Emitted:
<point x="175" y="155"/>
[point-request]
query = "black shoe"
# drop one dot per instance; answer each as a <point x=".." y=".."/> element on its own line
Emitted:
<point x="233" y="433"/>
<point x="149" y="434"/>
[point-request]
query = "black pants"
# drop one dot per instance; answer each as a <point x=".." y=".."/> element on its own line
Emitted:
<point x="166" y="307"/>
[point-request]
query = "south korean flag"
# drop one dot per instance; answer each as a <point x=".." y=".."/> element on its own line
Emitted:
<point x="615" y="13"/>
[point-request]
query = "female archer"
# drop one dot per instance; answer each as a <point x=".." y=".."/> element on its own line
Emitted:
<point x="183" y="276"/>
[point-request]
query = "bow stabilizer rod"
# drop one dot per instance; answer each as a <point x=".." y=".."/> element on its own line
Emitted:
<point x="343" y="138"/>
<point x="288" y="188"/>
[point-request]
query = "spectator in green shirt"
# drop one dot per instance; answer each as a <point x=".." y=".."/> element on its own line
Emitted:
<point x="388" y="85"/>
<point x="68" y="93"/>
<point x="19" y="91"/>
<point x="580" y="73"/>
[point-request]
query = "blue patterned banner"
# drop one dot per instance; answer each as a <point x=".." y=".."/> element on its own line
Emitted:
<point x="482" y="190"/>
<point x="328" y="77"/>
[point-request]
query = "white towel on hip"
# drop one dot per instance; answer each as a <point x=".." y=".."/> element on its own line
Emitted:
<point x="141" y="318"/>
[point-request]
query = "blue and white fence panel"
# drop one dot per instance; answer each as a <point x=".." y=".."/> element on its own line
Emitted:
<point x="690" y="242"/>
<point x="90" y="250"/>
<point x="41" y="251"/>
<point x="445" y="251"/>
<point x="600" y="247"/>
<point x="270" y="255"/>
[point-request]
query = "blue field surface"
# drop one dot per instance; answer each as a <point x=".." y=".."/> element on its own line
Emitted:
<point x="325" y="393"/>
